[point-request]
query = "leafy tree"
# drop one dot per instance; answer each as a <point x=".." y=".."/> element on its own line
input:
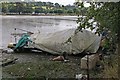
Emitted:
<point x="4" y="8"/>
<point x="57" y="5"/>
<point x="12" y="9"/>
<point x="38" y="3"/>
<point x="51" y="11"/>
<point x="76" y="10"/>
<point x="43" y="3"/>
<point x="39" y="10"/>
<point x="63" y="6"/>
<point x="28" y="8"/>
<point x="69" y="11"/>
<point x="105" y="16"/>
<point x="58" y="11"/>
<point x="50" y="4"/>
<point x="19" y="7"/>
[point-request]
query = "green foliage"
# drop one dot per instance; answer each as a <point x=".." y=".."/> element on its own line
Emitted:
<point x="38" y="10"/>
<point x="4" y="8"/>
<point x="19" y="7"/>
<point x="58" y="11"/>
<point x="27" y="10"/>
<point x="106" y="17"/>
<point x="105" y="14"/>
<point x="76" y="10"/>
<point x="70" y="11"/>
<point x="111" y="67"/>
<point x="12" y="8"/>
<point x="57" y="5"/>
<point x="37" y="7"/>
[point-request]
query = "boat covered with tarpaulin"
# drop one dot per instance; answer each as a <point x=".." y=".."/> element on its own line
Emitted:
<point x="68" y="41"/>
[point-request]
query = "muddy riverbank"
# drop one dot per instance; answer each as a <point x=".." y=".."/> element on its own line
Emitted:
<point x="37" y="65"/>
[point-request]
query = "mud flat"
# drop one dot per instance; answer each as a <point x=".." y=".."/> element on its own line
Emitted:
<point x="34" y="24"/>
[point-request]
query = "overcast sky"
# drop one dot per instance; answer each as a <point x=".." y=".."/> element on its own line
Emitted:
<point x="64" y="2"/>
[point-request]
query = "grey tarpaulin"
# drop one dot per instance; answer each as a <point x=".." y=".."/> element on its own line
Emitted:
<point x="66" y="41"/>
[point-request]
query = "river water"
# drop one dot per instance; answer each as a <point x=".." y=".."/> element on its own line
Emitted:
<point x="34" y="24"/>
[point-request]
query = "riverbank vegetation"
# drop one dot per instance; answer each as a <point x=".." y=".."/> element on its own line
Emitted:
<point x="38" y="8"/>
<point x="104" y="16"/>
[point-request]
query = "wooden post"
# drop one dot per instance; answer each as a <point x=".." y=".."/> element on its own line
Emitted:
<point x="87" y="65"/>
<point x="15" y="37"/>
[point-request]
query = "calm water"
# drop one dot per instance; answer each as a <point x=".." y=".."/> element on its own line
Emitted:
<point x="34" y="24"/>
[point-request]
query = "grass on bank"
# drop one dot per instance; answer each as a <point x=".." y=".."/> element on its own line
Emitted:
<point x="48" y="69"/>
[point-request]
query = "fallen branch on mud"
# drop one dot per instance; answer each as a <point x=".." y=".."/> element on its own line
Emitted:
<point x="8" y="61"/>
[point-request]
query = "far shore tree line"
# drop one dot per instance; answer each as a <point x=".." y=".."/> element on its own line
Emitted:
<point x="38" y="8"/>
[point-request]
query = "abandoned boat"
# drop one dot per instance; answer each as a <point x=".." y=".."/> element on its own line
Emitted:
<point x="61" y="41"/>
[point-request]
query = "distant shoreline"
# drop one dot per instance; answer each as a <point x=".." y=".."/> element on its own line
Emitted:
<point x="37" y="15"/>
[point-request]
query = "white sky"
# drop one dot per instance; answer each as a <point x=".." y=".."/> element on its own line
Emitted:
<point x="64" y="2"/>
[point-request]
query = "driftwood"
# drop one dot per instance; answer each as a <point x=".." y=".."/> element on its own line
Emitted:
<point x="58" y="58"/>
<point x="7" y="62"/>
<point x="17" y="34"/>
